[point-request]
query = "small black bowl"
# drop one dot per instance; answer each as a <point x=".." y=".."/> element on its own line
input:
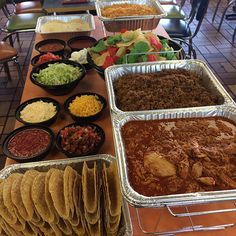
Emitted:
<point x="85" y="118"/>
<point x="176" y="46"/>
<point x="37" y="157"/>
<point x="35" y="59"/>
<point x="91" y="152"/>
<point x="80" y="42"/>
<point x="51" y="41"/>
<point x="58" y="89"/>
<point x="44" y="99"/>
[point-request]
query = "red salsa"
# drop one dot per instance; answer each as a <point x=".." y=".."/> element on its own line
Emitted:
<point x="79" y="139"/>
<point x="28" y="143"/>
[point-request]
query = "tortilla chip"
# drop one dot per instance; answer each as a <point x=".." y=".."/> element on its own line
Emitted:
<point x="56" y="189"/>
<point x="38" y="197"/>
<point x="48" y="198"/>
<point x="90" y="188"/>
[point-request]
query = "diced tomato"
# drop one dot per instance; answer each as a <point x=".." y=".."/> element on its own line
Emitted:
<point x="123" y="30"/>
<point x="151" y="57"/>
<point x="112" y="51"/>
<point x="154" y="42"/>
<point x="115" y="59"/>
<point x="47" y="57"/>
<point x="108" y="62"/>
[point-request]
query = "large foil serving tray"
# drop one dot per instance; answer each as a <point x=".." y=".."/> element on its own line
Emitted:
<point x="138" y="200"/>
<point x="66" y="18"/>
<point x="209" y="79"/>
<point x="77" y="164"/>
<point x="147" y="22"/>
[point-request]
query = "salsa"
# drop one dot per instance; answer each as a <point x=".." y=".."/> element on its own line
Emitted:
<point x="47" y="57"/>
<point x="51" y="47"/>
<point x="82" y="43"/>
<point x="79" y="139"/>
<point x="28" y="143"/>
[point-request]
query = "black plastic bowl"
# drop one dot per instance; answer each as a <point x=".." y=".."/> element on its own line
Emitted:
<point x="48" y="42"/>
<point x="44" y="99"/>
<point x="90" y="41"/>
<point x="85" y="118"/>
<point x="58" y="89"/>
<point x="176" y="46"/>
<point x="91" y="152"/>
<point x="37" y="157"/>
<point x="35" y="59"/>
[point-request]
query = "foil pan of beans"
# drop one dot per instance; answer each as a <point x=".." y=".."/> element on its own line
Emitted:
<point x="84" y="185"/>
<point x="164" y="85"/>
<point x="115" y="23"/>
<point x="177" y="158"/>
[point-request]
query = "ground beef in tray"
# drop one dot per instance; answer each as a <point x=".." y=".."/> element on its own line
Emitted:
<point x="162" y="90"/>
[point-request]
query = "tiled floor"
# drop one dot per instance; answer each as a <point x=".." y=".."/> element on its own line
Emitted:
<point x="214" y="47"/>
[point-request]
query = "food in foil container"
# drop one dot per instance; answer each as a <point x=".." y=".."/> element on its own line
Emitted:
<point x="61" y="202"/>
<point x="180" y="155"/>
<point x="62" y="26"/>
<point x="177" y="88"/>
<point x="131" y="47"/>
<point x="126" y="9"/>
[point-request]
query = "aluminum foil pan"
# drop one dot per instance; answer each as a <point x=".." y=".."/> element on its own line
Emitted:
<point x="138" y="200"/>
<point x="210" y="81"/>
<point x="77" y="164"/>
<point x="149" y="22"/>
<point x="66" y="18"/>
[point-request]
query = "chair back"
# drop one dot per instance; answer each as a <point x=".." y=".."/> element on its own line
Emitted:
<point x="198" y="11"/>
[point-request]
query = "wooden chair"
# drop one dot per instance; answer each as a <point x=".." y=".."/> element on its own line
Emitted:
<point x="7" y="54"/>
<point x="180" y="28"/>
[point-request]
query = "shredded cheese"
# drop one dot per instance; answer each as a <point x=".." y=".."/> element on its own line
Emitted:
<point x="85" y="105"/>
<point x="38" y="112"/>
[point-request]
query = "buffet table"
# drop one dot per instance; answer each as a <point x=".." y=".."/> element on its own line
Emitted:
<point x="151" y="217"/>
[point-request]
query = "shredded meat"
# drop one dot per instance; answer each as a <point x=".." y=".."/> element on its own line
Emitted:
<point x="166" y="89"/>
<point x="180" y="155"/>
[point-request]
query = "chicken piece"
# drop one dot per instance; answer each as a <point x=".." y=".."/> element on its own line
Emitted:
<point x="174" y="184"/>
<point x="158" y="165"/>
<point x="183" y="168"/>
<point x="231" y="149"/>
<point x="196" y="151"/>
<point x="227" y="180"/>
<point x="197" y="170"/>
<point x="207" y="181"/>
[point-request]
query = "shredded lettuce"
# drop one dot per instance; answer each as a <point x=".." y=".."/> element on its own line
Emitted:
<point x="57" y="74"/>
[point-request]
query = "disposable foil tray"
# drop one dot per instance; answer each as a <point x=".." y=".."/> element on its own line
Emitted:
<point x="209" y="80"/>
<point x="77" y="164"/>
<point x="138" y="200"/>
<point x="148" y="22"/>
<point x="66" y="18"/>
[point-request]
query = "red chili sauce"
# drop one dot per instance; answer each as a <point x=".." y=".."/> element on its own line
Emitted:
<point x="28" y="143"/>
<point x="51" y="47"/>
